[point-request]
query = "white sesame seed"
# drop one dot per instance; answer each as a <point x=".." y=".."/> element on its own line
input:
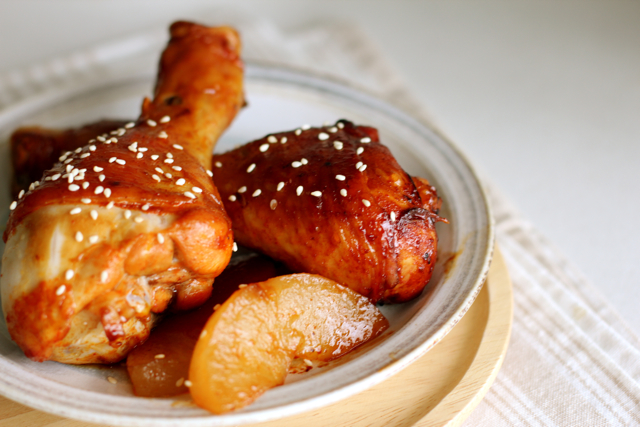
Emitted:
<point x="316" y="193"/>
<point x="299" y="190"/>
<point x="139" y="219"/>
<point x="133" y="147"/>
<point x="181" y="181"/>
<point x="196" y="189"/>
<point x="257" y="193"/>
<point x="55" y="177"/>
<point x="340" y="177"/>
<point x="283" y="140"/>
<point x="273" y="204"/>
<point x="343" y="192"/>
<point x="101" y="138"/>
<point x="113" y="159"/>
<point x="156" y="177"/>
<point x="272" y="139"/>
<point x="159" y="356"/>
<point x="61" y="290"/>
<point x="121" y="132"/>
<point x="112" y="380"/>
<point x="20" y="194"/>
<point x="97" y="169"/>
<point x="74" y="187"/>
<point x="188" y="383"/>
<point x="235" y="247"/>
<point x="163" y="134"/>
<point x="107" y="192"/>
<point x="129" y="125"/>
<point x="85" y="185"/>
<point x="151" y="123"/>
<point x="47" y="178"/>
<point x="143" y="149"/>
<point x="251" y="167"/>
<point x="62" y="158"/>
<point x="92" y="148"/>
<point x="304" y="161"/>
<point x="79" y="236"/>
<point x="298" y="131"/>
<point x="139" y="155"/>
<point x="340" y="125"/>
<point x="296" y="164"/>
<point x="169" y="155"/>
<point x="326" y="123"/>
<point x="69" y="168"/>
<point x="338" y="145"/>
<point x="218" y="164"/>
<point x="189" y="194"/>
<point x="393" y="216"/>
<point x="244" y="285"/>
<point x="85" y="201"/>
<point x="333" y="129"/>
<point x="101" y="177"/>
<point x="366" y="202"/>
<point x="358" y="165"/>
<point x="208" y="171"/>
<point x="93" y="239"/>
<point x="121" y="162"/>
<point x="242" y="189"/>
<point x="13" y="205"/>
<point x="32" y="186"/>
<point x="232" y="198"/>
<point x="146" y="207"/>
<point x="104" y="276"/>
<point x="113" y="139"/>
<point x="168" y="175"/>
<point x="178" y="147"/>
<point x="305" y="127"/>
<point x="169" y="161"/>
<point x="75" y="211"/>
<point x="362" y="168"/>
<point x="68" y="275"/>
<point x="84" y="155"/>
<point x="165" y="119"/>
<point x="264" y="147"/>
<point x="127" y="214"/>
<point x="359" y="150"/>
<point x="323" y="136"/>
<point x="159" y="170"/>
<point x="177" y="168"/>
<point x="154" y="157"/>
<point x="280" y="186"/>
<point x="365" y="140"/>
<point x="110" y="205"/>
<point x="94" y="214"/>
<point x="78" y="150"/>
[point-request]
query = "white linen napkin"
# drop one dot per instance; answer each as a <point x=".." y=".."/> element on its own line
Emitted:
<point x="571" y="360"/>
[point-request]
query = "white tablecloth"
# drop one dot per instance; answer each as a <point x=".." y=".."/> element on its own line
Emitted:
<point x="571" y="360"/>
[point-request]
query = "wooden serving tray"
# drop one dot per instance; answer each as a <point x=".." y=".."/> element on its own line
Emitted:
<point x="439" y="389"/>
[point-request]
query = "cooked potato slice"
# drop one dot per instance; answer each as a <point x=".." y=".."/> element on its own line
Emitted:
<point x="249" y="343"/>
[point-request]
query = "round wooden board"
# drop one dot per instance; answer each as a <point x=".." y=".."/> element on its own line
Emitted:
<point x="439" y="389"/>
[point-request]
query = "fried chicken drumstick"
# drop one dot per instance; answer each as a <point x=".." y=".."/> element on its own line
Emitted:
<point x="335" y="202"/>
<point x="130" y="223"/>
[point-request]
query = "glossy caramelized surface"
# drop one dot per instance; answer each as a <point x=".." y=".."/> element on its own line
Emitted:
<point x="159" y="366"/>
<point x="129" y="224"/>
<point x="335" y="202"/>
<point x="250" y="342"/>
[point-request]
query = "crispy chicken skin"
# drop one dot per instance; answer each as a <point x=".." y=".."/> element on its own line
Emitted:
<point x="333" y="201"/>
<point x="131" y="223"/>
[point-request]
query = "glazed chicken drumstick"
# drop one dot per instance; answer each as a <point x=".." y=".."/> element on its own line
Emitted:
<point x="333" y="201"/>
<point x="131" y="223"/>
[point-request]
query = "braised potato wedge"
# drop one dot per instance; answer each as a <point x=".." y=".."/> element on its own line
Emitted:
<point x="249" y="343"/>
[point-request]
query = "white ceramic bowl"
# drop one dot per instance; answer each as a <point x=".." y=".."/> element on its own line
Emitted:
<point x="278" y="100"/>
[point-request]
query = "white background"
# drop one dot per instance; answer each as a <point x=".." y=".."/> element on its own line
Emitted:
<point x="543" y="96"/>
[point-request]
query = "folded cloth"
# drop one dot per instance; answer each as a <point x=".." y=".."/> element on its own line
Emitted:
<point x="571" y="360"/>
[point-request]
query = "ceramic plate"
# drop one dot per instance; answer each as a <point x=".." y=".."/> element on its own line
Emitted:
<point x="278" y="99"/>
